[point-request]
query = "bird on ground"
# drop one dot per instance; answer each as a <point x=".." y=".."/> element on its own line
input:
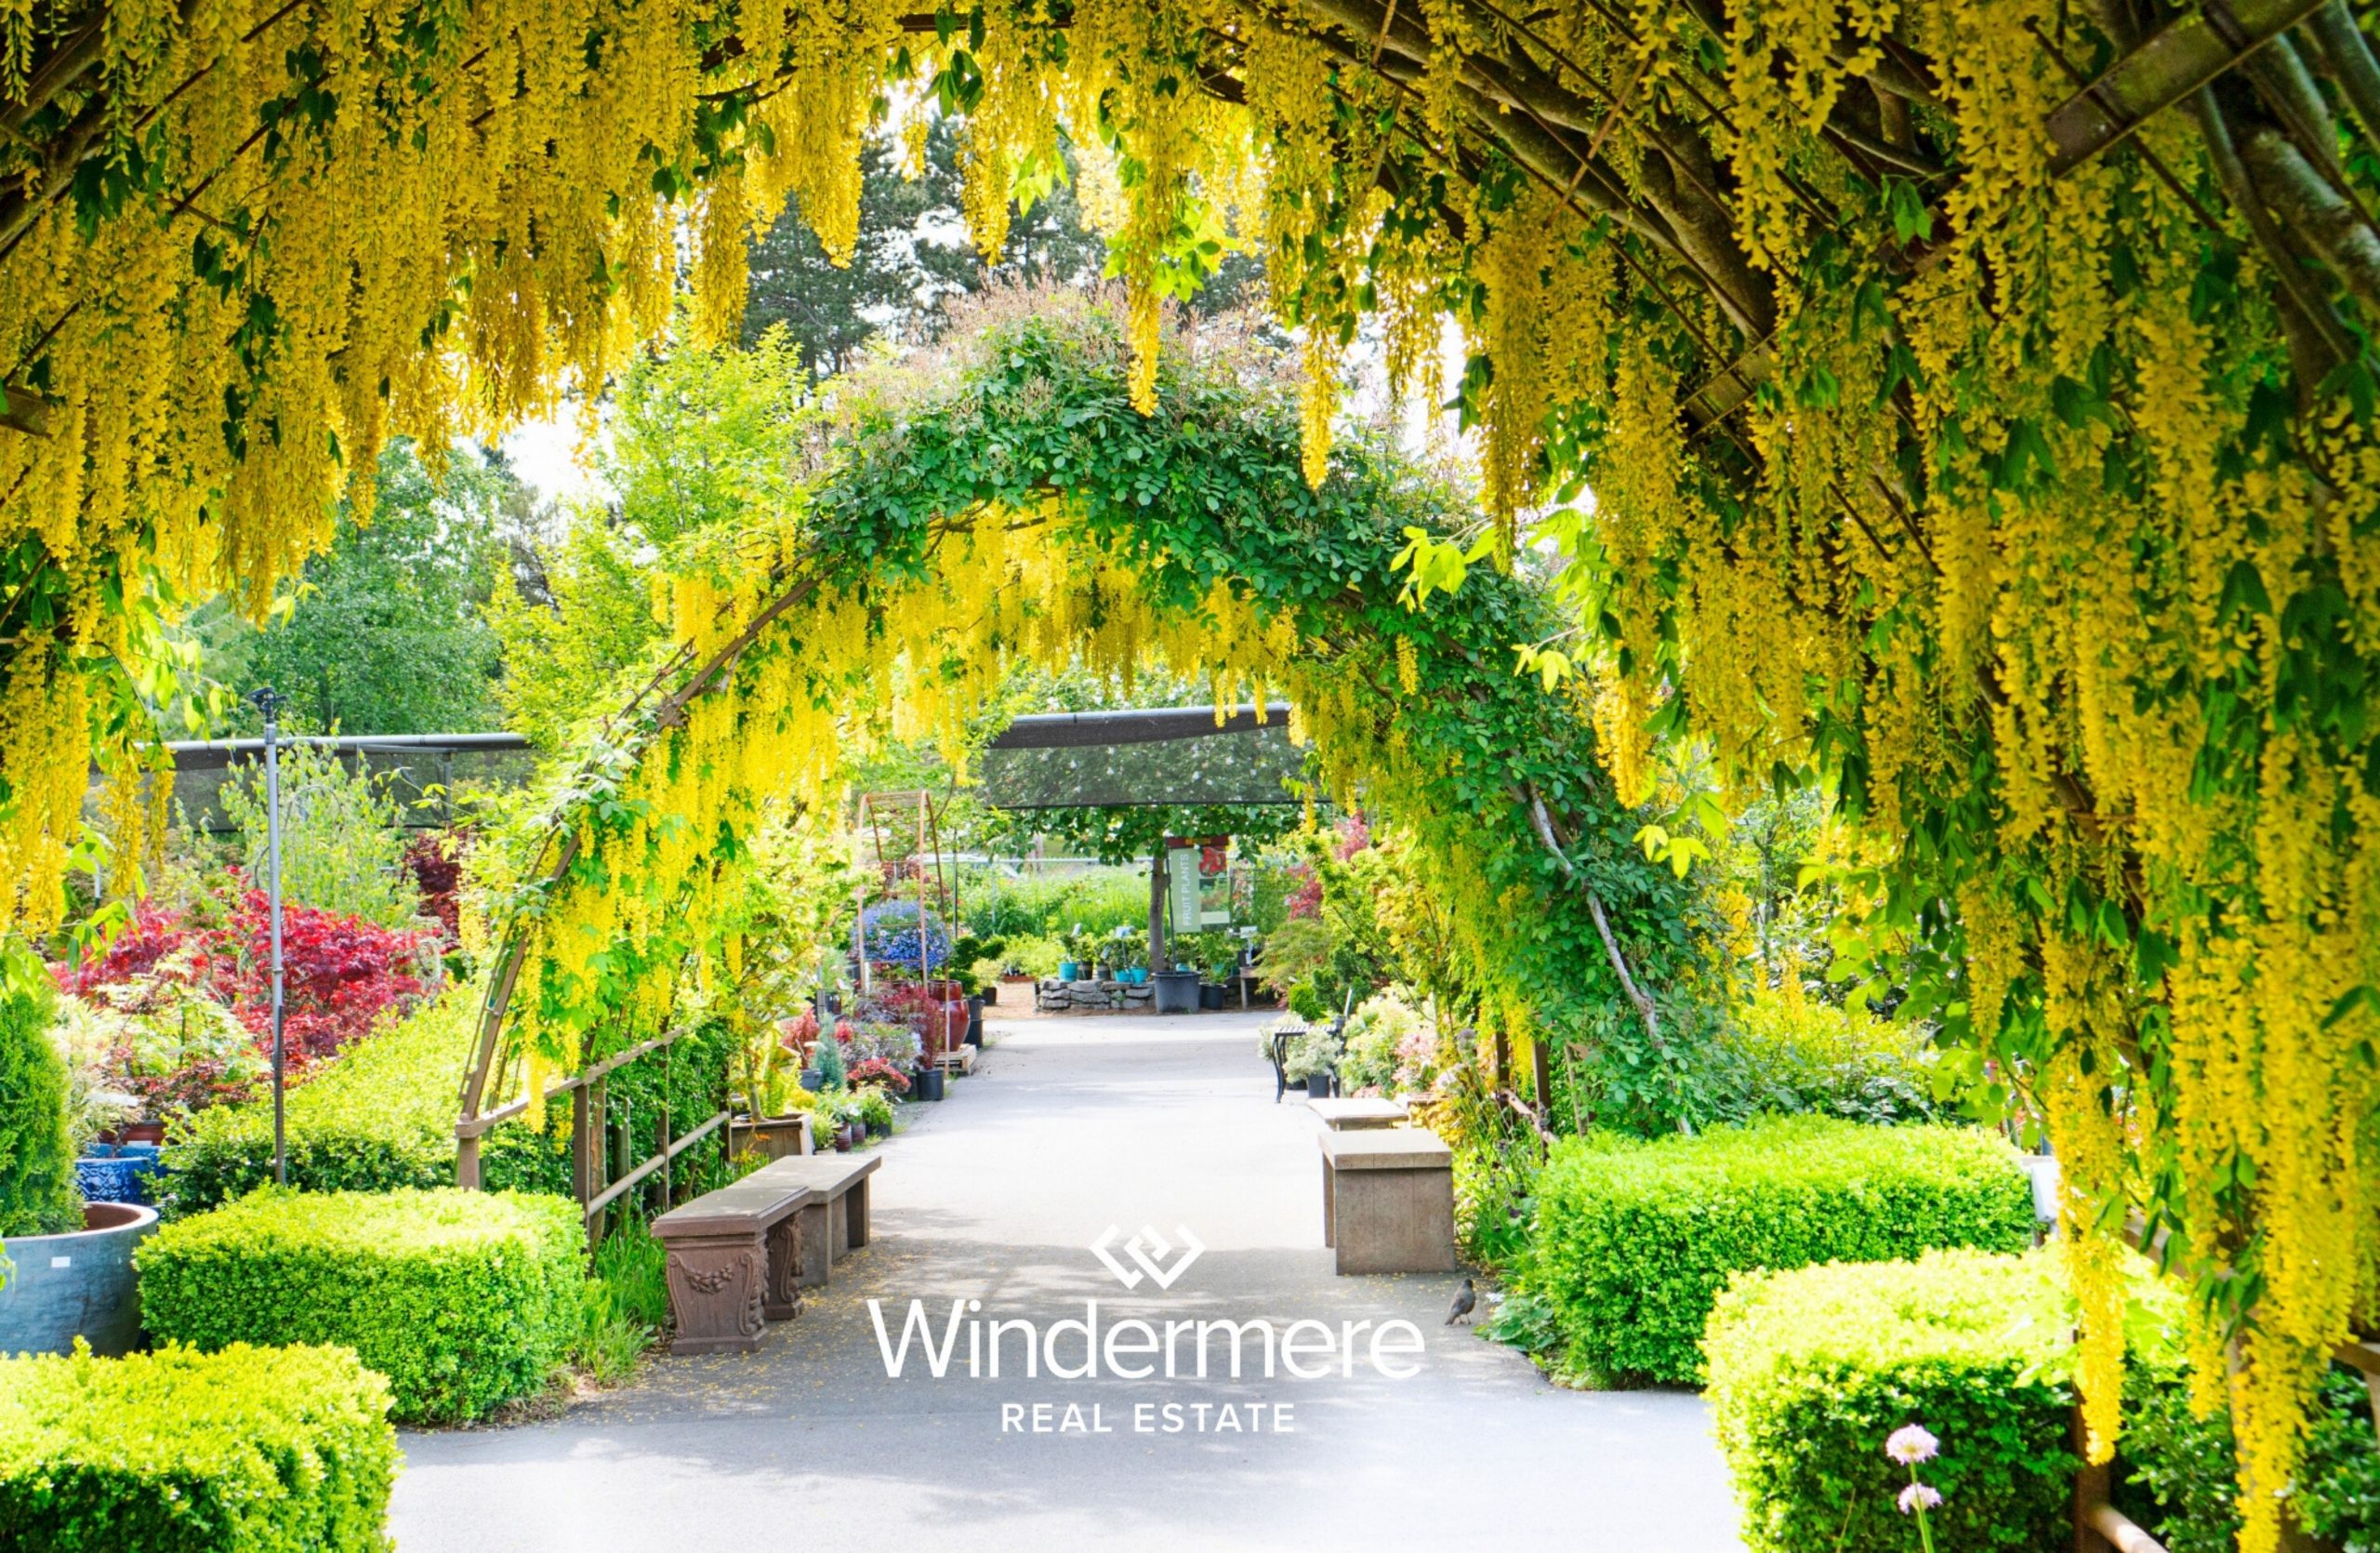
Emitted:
<point x="1465" y="1298"/>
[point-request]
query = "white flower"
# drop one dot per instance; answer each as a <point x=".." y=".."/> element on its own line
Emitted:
<point x="1910" y="1444"/>
<point x="1917" y="1496"/>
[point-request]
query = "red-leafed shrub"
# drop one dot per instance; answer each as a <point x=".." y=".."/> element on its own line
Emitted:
<point x="435" y="861"/>
<point x="339" y="974"/>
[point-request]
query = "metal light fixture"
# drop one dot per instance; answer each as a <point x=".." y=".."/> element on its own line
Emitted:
<point x="267" y="701"/>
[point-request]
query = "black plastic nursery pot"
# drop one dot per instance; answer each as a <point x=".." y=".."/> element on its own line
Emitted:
<point x="1210" y="996"/>
<point x="976" y="1021"/>
<point x="931" y="1085"/>
<point x="1317" y="1086"/>
<point x="1177" y="992"/>
<point x="76" y="1285"/>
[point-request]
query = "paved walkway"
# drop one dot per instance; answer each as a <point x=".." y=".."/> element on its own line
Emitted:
<point x="1068" y="1127"/>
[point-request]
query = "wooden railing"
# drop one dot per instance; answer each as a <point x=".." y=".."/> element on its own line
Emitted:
<point x="599" y="1176"/>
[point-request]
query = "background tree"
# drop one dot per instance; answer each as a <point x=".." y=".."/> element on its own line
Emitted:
<point x="699" y="438"/>
<point x="913" y="253"/>
<point x="383" y="633"/>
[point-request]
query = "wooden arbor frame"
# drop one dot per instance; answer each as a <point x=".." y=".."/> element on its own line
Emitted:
<point x="601" y="1175"/>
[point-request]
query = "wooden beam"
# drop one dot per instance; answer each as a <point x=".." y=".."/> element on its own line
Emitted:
<point x="2118" y="1530"/>
<point x="479" y="1126"/>
<point x="2164" y="70"/>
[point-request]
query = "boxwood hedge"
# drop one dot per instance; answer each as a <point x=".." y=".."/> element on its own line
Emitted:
<point x="245" y="1451"/>
<point x="381" y="1116"/>
<point x="1812" y="1370"/>
<point x="1633" y="1240"/>
<point x="463" y="1300"/>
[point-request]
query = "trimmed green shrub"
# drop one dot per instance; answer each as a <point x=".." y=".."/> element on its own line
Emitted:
<point x="379" y="1117"/>
<point x="1633" y="1240"/>
<point x="245" y="1451"/>
<point x="462" y="1300"/>
<point x="36" y="1153"/>
<point x="382" y="1116"/>
<point x="1812" y="1370"/>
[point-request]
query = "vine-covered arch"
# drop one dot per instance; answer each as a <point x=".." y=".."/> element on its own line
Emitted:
<point x="1017" y="507"/>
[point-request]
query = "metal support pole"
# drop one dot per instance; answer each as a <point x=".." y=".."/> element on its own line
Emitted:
<point x="268" y="704"/>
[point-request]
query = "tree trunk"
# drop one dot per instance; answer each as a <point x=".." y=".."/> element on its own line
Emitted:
<point x="1157" y="909"/>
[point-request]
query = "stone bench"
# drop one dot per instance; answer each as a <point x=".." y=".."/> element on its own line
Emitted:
<point x="1388" y="1200"/>
<point x="734" y="1258"/>
<point x="1348" y="1116"/>
<point x="835" y="1223"/>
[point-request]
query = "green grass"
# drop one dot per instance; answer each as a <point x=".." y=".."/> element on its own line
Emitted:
<point x="626" y="1307"/>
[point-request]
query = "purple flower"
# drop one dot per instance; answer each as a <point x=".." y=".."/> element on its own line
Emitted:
<point x="1917" y="1496"/>
<point x="1910" y="1444"/>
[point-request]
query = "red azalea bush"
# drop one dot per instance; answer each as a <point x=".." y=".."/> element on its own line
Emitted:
<point x="339" y="974"/>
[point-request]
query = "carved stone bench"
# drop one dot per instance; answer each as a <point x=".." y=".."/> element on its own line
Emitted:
<point x="835" y="1223"/>
<point x="1388" y="1200"/>
<point x="734" y="1257"/>
<point x="1348" y="1116"/>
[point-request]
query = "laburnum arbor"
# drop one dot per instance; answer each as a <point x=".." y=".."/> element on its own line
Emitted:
<point x="1004" y="504"/>
<point x="1974" y="395"/>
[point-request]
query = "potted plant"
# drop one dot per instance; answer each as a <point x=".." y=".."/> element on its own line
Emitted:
<point x="109" y="1166"/>
<point x="874" y="1112"/>
<point x="65" y="1264"/>
<point x="879" y="1073"/>
<point x="1310" y="1057"/>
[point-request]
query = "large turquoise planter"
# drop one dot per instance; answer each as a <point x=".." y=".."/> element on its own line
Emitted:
<point x="62" y="1287"/>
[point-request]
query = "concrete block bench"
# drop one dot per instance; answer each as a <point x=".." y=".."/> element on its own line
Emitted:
<point x="1388" y="1200"/>
<point x="733" y="1255"/>
<point x="1348" y="1116"/>
<point x="834" y="1222"/>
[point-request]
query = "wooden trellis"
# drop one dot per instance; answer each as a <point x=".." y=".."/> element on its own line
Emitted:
<point x="869" y="820"/>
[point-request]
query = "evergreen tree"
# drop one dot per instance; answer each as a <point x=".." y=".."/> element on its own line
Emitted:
<point x="914" y="252"/>
<point x="36" y="1158"/>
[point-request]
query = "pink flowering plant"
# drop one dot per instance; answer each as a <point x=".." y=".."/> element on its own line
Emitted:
<point x="1909" y="1445"/>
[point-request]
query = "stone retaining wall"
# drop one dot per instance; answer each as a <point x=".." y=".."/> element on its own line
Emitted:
<point x="1054" y="996"/>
